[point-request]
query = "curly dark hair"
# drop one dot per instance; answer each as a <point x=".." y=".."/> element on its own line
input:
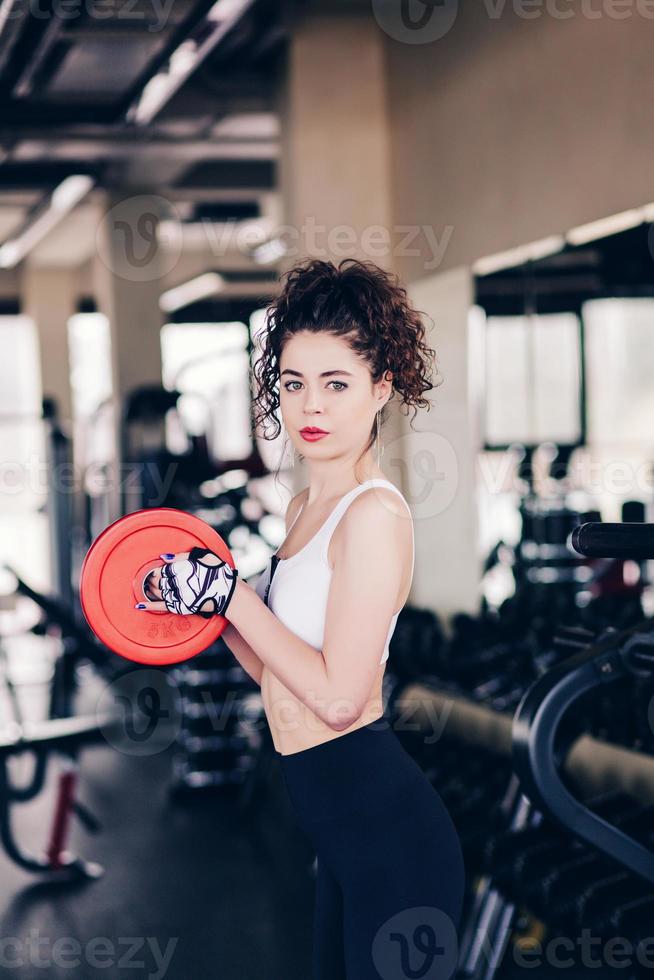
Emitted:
<point x="363" y="304"/>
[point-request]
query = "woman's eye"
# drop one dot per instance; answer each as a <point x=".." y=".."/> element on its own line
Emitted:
<point x="289" y="383"/>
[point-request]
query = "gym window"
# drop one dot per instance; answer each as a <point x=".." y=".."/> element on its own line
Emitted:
<point x="532" y="379"/>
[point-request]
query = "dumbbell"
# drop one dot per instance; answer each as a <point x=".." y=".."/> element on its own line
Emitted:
<point x="112" y="581"/>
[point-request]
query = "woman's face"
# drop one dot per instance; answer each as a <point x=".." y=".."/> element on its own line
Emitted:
<point x="325" y="385"/>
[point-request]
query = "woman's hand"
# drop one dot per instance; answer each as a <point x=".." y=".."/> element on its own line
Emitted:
<point x="195" y="582"/>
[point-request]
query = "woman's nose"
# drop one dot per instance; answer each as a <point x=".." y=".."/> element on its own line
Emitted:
<point x="313" y="403"/>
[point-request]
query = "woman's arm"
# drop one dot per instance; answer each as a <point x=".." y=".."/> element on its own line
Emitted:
<point x="243" y="652"/>
<point x="248" y="659"/>
<point x="362" y="597"/>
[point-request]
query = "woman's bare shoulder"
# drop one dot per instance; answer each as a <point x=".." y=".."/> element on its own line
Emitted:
<point x="377" y="509"/>
<point x="383" y="497"/>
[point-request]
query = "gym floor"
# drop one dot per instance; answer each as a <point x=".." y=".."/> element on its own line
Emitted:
<point x="192" y="887"/>
<point x="216" y="892"/>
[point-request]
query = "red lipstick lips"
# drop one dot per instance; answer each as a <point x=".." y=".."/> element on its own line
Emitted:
<point x="312" y="434"/>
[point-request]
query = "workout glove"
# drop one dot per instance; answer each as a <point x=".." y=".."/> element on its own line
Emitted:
<point x="187" y="584"/>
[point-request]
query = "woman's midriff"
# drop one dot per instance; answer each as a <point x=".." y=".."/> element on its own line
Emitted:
<point x="295" y="727"/>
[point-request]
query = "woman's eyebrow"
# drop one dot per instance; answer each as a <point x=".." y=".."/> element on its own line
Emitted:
<point x="325" y="374"/>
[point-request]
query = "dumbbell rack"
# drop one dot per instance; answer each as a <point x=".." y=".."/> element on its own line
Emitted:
<point x="220" y="712"/>
<point x="546" y="852"/>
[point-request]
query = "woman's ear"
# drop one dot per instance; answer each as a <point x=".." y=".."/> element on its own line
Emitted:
<point x="386" y="383"/>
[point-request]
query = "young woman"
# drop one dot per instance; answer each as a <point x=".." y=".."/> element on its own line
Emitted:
<point x="314" y="633"/>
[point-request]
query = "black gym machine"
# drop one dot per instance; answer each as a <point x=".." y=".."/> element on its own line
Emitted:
<point x="600" y="851"/>
<point x="62" y="736"/>
<point x="205" y="754"/>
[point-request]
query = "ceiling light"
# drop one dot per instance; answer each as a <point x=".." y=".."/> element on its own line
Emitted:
<point x="185" y="59"/>
<point x="606" y="226"/>
<point x="70" y="192"/>
<point x="226" y="9"/>
<point x="62" y="200"/>
<point x="270" y="251"/>
<point x="189" y="292"/>
<point x="517" y="256"/>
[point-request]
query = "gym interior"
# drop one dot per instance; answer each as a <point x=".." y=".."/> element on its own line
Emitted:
<point x="161" y="167"/>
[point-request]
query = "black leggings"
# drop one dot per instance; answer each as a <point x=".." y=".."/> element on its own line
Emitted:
<point x="390" y="880"/>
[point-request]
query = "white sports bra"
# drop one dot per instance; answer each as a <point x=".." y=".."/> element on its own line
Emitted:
<point x="299" y="585"/>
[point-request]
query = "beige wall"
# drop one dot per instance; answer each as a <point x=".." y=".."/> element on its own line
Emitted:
<point x="438" y="452"/>
<point x="508" y="130"/>
<point x="48" y="297"/>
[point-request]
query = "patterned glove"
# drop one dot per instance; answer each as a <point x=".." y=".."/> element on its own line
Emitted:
<point x="188" y="583"/>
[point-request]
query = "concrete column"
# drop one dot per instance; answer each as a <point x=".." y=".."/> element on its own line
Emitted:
<point x="335" y="162"/>
<point x="129" y="268"/>
<point x="335" y="165"/>
<point x="440" y="452"/>
<point x="49" y="299"/>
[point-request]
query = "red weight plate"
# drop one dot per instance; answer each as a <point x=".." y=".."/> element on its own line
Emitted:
<point x="111" y="582"/>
